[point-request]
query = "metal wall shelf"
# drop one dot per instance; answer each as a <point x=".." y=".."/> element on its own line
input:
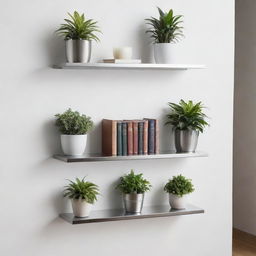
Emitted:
<point x="119" y="214"/>
<point x="99" y="157"/>
<point x="143" y="66"/>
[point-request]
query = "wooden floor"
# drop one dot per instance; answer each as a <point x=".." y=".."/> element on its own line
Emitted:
<point x="244" y="244"/>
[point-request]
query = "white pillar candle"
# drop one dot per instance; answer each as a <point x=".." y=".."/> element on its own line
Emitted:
<point x="122" y="53"/>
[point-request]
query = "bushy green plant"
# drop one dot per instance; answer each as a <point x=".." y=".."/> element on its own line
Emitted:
<point x="187" y="115"/>
<point x="167" y="28"/>
<point x="72" y="123"/>
<point x="81" y="189"/>
<point x="179" y="185"/>
<point x="133" y="183"/>
<point x="77" y="27"/>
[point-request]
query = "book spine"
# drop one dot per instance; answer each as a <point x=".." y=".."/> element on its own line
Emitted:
<point x="135" y="138"/>
<point x="109" y="134"/>
<point x="124" y="139"/>
<point x="151" y="137"/>
<point x="145" y="137"/>
<point x="119" y="139"/>
<point x="140" y="136"/>
<point x="114" y="134"/>
<point x="130" y="138"/>
<point x="157" y="146"/>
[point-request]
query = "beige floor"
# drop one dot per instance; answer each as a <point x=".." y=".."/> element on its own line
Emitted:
<point x="244" y="244"/>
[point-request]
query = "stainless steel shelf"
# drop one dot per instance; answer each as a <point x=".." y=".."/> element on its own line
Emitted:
<point x="128" y="66"/>
<point x="99" y="157"/>
<point x="119" y="214"/>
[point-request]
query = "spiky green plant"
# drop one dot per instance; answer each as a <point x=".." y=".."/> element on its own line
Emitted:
<point x="179" y="185"/>
<point x="133" y="183"/>
<point x="81" y="189"/>
<point x="167" y="28"/>
<point x="187" y="115"/>
<point x="73" y="123"/>
<point x="77" y="27"/>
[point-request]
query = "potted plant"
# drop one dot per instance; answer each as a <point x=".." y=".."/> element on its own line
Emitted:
<point x="178" y="188"/>
<point x="187" y="120"/>
<point x="74" y="128"/>
<point x="133" y="186"/>
<point x="78" y="33"/>
<point x="165" y="31"/>
<point x="83" y="195"/>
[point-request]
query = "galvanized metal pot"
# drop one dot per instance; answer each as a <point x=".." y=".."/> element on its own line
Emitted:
<point x="78" y="51"/>
<point x="133" y="203"/>
<point x="186" y="140"/>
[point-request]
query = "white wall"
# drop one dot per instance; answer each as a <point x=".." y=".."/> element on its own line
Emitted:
<point x="31" y="93"/>
<point x="245" y="122"/>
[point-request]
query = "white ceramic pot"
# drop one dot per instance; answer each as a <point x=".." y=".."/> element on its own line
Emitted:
<point x="81" y="208"/>
<point x="163" y="53"/>
<point x="177" y="202"/>
<point x="73" y="145"/>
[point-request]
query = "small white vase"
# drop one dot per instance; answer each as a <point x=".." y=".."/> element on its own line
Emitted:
<point x="81" y="208"/>
<point x="163" y="53"/>
<point x="73" y="145"/>
<point x="177" y="202"/>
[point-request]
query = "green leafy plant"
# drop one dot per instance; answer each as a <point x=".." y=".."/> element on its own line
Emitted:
<point x="187" y="115"/>
<point x="167" y="28"/>
<point x="179" y="185"/>
<point x="72" y="123"/>
<point x="77" y="27"/>
<point x="81" y="189"/>
<point x="133" y="183"/>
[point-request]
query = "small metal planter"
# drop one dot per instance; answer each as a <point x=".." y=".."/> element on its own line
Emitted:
<point x="186" y="140"/>
<point x="78" y="51"/>
<point x="133" y="203"/>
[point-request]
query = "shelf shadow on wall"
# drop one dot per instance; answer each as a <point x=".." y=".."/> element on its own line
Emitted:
<point x="55" y="49"/>
<point x="51" y="138"/>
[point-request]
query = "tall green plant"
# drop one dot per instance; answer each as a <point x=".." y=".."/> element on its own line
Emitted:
<point x="77" y="27"/>
<point x="187" y="115"/>
<point x="73" y="123"/>
<point x="167" y="28"/>
<point x="179" y="186"/>
<point x="133" y="183"/>
<point x="81" y="189"/>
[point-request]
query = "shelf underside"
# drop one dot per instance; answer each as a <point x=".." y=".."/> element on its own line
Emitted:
<point x="127" y="66"/>
<point x="99" y="157"/>
<point x="119" y="214"/>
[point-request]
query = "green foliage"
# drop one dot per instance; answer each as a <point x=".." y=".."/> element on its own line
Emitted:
<point x="132" y="183"/>
<point x="187" y="115"/>
<point x="179" y="185"/>
<point x="77" y="27"/>
<point x="167" y="28"/>
<point x="72" y="123"/>
<point x="81" y="189"/>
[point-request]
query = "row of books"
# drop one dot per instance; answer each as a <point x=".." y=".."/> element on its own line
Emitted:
<point x="130" y="137"/>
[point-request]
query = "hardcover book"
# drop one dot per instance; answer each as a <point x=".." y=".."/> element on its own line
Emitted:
<point x="157" y="137"/>
<point x="145" y="137"/>
<point x="151" y="136"/>
<point x="140" y="138"/>
<point x="122" y="61"/>
<point x="135" y="138"/>
<point x="124" y="139"/>
<point x="130" y="137"/>
<point x="109" y="135"/>
<point x="119" y="139"/>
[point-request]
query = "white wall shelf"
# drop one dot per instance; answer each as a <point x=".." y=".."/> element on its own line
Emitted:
<point x="99" y="157"/>
<point x="142" y="66"/>
<point x="120" y="214"/>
